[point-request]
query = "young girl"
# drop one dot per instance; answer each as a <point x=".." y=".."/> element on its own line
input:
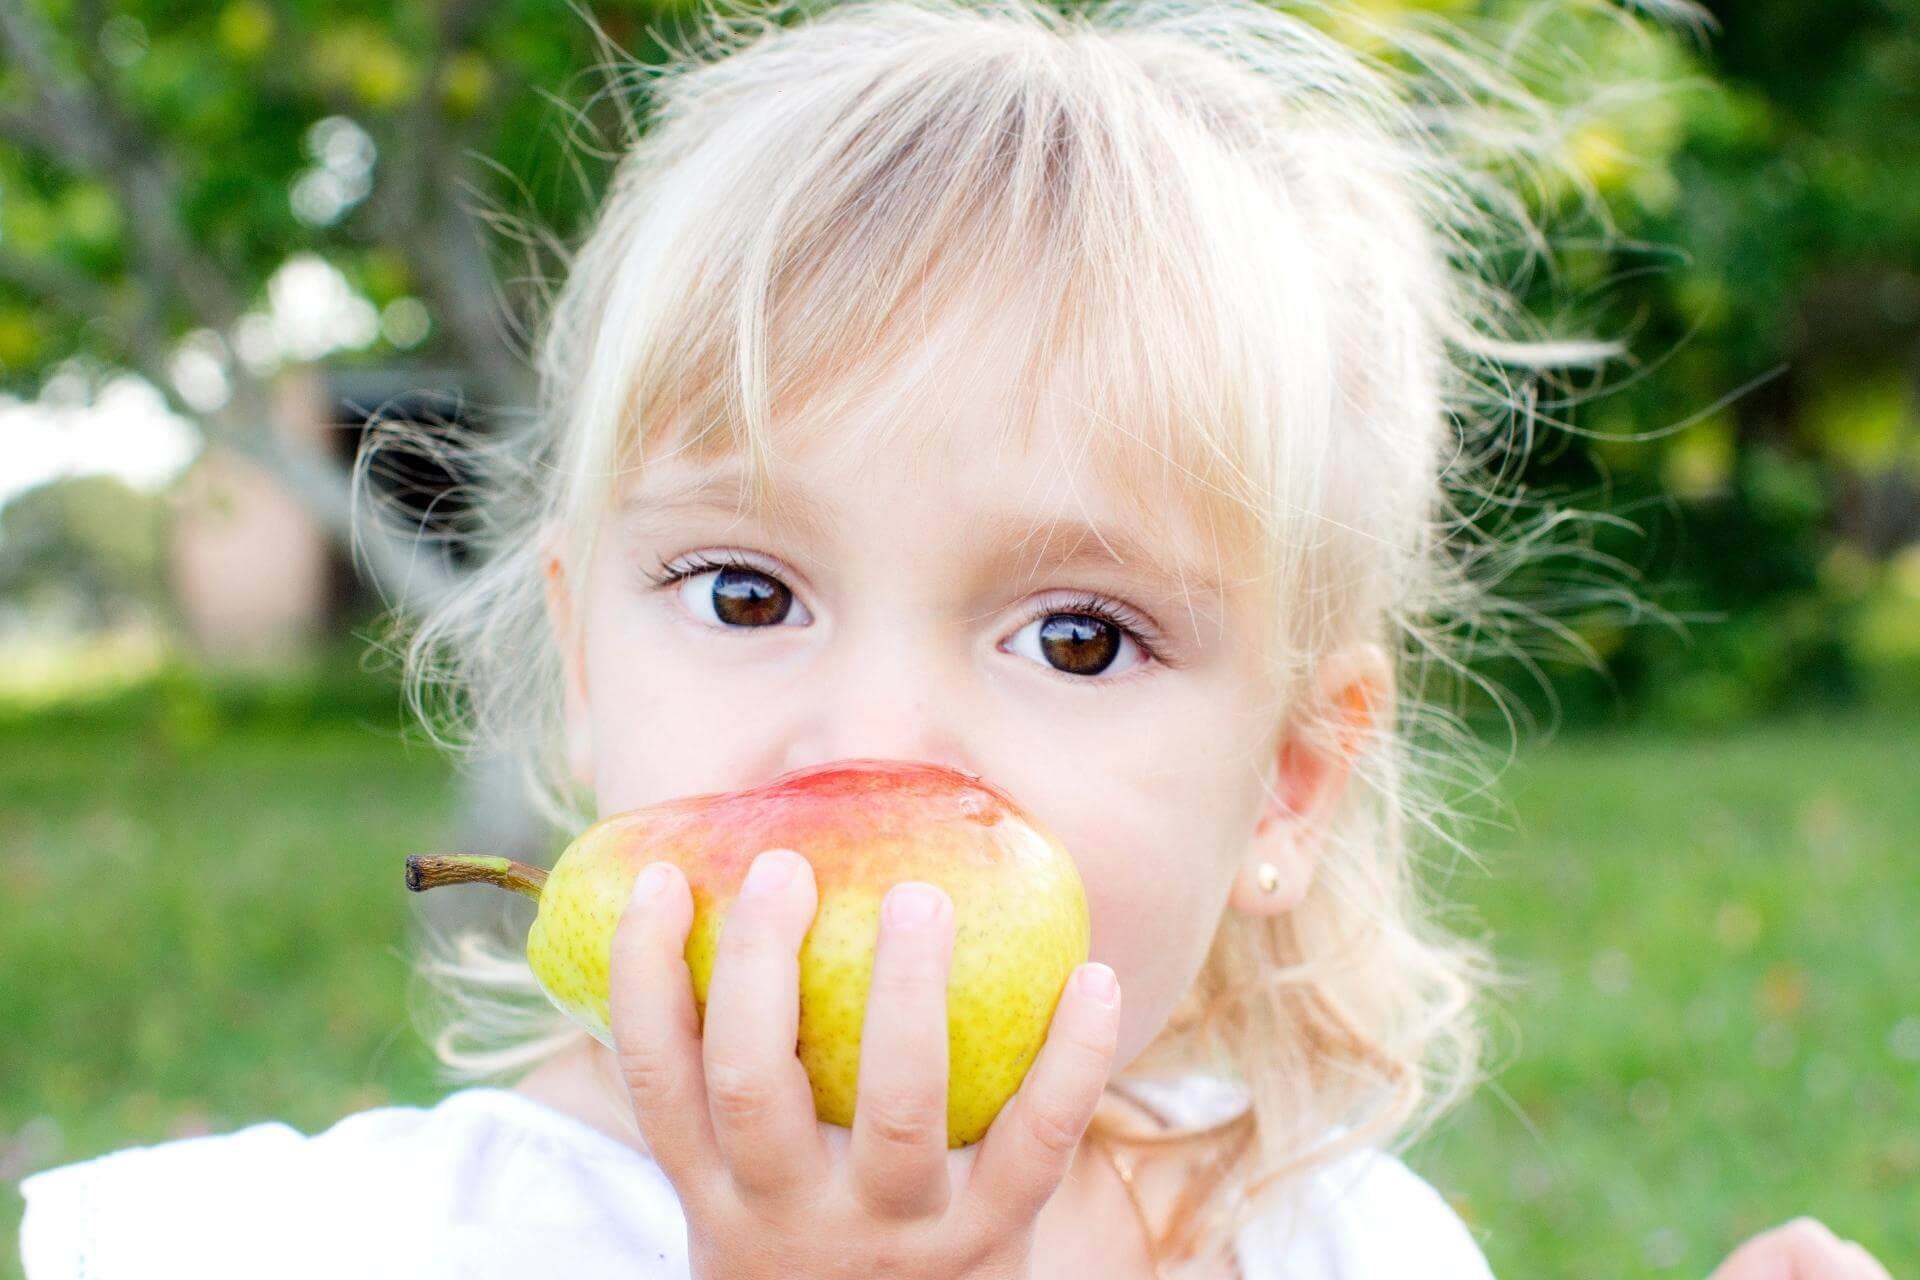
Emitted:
<point x="1079" y="401"/>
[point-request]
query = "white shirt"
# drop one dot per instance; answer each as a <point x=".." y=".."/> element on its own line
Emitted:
<point x="490" y="1185"/>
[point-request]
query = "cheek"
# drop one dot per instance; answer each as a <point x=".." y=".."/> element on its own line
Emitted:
<point x="1190" y="775"/>
<point x="657" y="707"/>
<point x="1157" y="869"/>
<point x="1159" y="830"/>
<point x="1155" y="893"/>
<point x="630" y="712"/>
<point x="1147" y="903"/>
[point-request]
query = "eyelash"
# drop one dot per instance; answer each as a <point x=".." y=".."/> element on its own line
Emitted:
<point x="1136" y="626"/>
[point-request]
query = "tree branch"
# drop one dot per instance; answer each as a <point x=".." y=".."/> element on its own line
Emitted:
<point x="87" y="131"/>
<point x="417" y="199"/>
<point x="62" y="118"/>
<point x="52" y="282"/>
<point x="134" y="329"/>
<point x="26" y="130"/>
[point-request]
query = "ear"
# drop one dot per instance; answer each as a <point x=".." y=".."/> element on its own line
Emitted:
<point x="563" y="626"/>
<point x="1312" y="763"/>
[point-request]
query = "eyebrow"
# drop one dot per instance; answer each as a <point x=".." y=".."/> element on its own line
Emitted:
<point x="1039" y="543"/>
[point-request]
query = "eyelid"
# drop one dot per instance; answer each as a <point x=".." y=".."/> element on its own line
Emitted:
<point x="1130" y="619"/>
<point x="1138" y="626"/>
<point x="673" y="572"/>
<point x="1135" y="625"/>
<point x="706" y="560"/>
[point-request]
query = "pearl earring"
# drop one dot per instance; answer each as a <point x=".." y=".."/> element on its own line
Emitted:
<point x="1269" y="877"/>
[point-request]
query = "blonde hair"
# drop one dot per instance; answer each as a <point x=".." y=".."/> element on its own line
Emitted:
<point x="1260" y="268"/>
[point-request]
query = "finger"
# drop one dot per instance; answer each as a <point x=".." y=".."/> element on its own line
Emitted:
<point x="1750" y="1262"/>
<point x="757" y="1092"/>
<point x="1803" y="1249"/>
<point x="1813" y="1251"/>
<point x="1865" y="1264"/>
<point x="656" y="1029"/>
<point x="1030" y="1146"/>
<point x="899" y="1161"/>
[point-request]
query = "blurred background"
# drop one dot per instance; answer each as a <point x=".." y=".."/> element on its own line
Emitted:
<point x="235" y="237"/>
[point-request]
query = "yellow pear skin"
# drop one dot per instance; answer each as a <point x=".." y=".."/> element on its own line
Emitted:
<point x="1020" y="911"/>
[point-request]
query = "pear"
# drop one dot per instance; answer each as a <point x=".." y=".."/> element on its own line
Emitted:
<point x="1020" y="911"/>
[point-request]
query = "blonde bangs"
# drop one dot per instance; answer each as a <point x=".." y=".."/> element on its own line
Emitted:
<point x="995" y="191"/>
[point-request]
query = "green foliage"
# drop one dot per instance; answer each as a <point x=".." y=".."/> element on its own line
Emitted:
<point x="217" y="105"/>
<point x="1767" y="443"/>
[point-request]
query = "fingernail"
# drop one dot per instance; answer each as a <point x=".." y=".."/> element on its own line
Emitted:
<point x="650" y="882"/>
<point x="909" y="906"/>
<point x="770" y="871"/>
<point x="1097" y="981"/>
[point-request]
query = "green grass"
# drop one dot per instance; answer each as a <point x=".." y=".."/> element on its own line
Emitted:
<point x="203" y="928"/>
<point x="1717" y="1019"/>
<point x="1717" y="1027"/>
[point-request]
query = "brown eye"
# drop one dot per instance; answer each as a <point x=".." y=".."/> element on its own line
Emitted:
<point x="1084" y="640"/>
<point x="1078" y="644"/>
<point x="736" y="596"/>
<point x="743" y="598"/>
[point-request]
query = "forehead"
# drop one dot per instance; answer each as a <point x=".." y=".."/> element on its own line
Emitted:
<point x="1024" y="497"/>
<point x="964" y="428"/>
<point x="974" y="467"/>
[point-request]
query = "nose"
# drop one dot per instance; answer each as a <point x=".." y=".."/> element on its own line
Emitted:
<point x="880" y="695"/>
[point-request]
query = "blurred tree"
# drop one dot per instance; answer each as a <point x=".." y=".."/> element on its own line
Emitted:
<point x="1766" y="263"/>
<point x="87" y="547"/>
<point x="163" y="166"/>
<point x="167" y="172"/>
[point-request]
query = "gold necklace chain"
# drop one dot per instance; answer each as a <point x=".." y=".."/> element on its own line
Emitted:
<point x="1123" y="1167"/>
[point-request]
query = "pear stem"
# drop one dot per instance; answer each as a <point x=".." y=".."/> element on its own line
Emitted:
<point x="430" y="871"/>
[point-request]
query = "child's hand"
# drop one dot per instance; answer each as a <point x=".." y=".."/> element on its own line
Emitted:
<point x="770" y="1191"/>
<point x="1801" y="1250"/>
